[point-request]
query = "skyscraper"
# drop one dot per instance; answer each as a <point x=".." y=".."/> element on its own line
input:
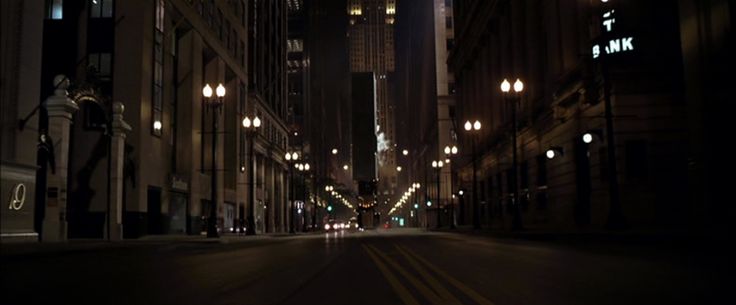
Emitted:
<point x="371" y="41"/>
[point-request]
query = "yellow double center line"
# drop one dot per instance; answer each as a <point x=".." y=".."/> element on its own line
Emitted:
<point x="440" y="295"/>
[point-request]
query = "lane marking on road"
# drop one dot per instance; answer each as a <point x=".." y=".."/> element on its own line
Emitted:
<point x="403" y="293"/>
<point x="459" y="285"/>
<point x="441" y="290"/>
<point x="423" y="289"/>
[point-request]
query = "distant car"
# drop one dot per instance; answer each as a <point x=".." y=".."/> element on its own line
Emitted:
<point x="334" y="225"/>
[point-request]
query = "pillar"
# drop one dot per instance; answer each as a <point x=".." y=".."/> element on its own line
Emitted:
<point x="60" y="110"/>
<point x="117" y="158"/>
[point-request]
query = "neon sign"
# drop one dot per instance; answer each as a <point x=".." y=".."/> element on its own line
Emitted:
<point x="615" y="45"/>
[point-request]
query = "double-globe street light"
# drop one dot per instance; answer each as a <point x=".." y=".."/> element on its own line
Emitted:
<point x="474" y="129"/>
<point x="450" y="152"/>
<point x="437" y="165"/>
<point x="291" y="158"/>
<point x="251" y="130"/>
<point x="415" y="202"/>
<point x="514" y="100"/>
<point x="329" y="189"/>
<point x="303" y="169"/>
<point x="216" y="105"/>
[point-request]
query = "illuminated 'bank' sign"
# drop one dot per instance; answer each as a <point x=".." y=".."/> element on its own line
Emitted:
<point x="614" y="45"/>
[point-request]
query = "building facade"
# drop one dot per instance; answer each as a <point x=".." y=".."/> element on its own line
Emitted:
<point x="574" y="58"/>
<point x="20" y="59"/>
<point x="153" y="58"/>
<point x="371" y="47"/>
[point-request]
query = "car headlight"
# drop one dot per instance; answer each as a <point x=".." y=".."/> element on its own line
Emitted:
<point x="327" y="226"/>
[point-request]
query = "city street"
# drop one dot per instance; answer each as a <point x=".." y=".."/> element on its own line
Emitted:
<point x="395" y="266"/>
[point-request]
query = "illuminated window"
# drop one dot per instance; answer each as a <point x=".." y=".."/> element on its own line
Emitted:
<point x="54" y="9"/>
<point x="354" y="8"/>
<point x="390" y="7"/>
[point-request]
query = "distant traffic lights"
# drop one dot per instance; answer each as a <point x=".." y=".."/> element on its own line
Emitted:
<point x="329" y="208"/>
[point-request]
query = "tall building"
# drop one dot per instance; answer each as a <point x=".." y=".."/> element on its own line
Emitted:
<point x="444" y="40"/>
<point x="330" y="115"/>
<point x="136" y="157"/>
<point x="371" y="46"/>
<point x="417" y="102"/>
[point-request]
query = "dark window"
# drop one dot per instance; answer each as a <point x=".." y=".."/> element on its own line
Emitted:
<point x="636" y="159"/>
<point x="241" y="102"/>
<point x="450" y="44"/>
<point x="101" y="8"/>
<point x="603" y="159"/>
<point x="242" y="13"/>
<point x="94" y="116"/>
<point x="158" y="69"/>
<point x="241" y="54"/>
<point x="448" y="22"/>
<point x="524" y="175"/>
<point x="541" y="171"/>
<point x="101" y="64"/>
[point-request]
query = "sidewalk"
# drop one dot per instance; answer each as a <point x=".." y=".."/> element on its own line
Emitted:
<point x="631" y="236"/>
<point x="82" y="245"/>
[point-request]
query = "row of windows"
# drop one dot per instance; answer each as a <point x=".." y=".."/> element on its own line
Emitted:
<point x="220" y="25"/>
<point x="158" y="68"/>
<point x="97" y="9"/>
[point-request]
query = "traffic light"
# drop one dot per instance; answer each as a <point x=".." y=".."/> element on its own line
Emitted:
<point x="329" y="208"/>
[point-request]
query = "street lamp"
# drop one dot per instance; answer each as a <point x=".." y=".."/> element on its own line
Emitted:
<point x="449" y="152"/>
<point x="438" y="166"/>
<point x="216" y="105"/>
<point x="554" y="151"/>
<point x="304" y="168"/>
<point x="334" y="151"/>
<point x="291" y="158"/>
<point x="415" y="186"/>
<point x="473" y="128"/>
<point x="516" y="223"/>
<point x="251" y="130"/>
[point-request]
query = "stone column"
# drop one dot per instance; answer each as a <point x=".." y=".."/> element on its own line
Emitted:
<point x="117" y="159"/>
<point x="271" y="196"/>
<point x="60" y="109"/>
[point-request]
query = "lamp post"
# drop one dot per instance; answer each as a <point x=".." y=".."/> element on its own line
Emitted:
<point x="474" y="128"/>
<point x="449" y="152"/>
<point x="304" y="168"/>
<point x="438" y="166"/>
<point x="291" y="157"/>
<point x="251" y="130"/>
<point x="415" y="186"/>
<point x="216" y="105"/>
<point x="516" y="223"/>
<point x="329" y="189"/>
<point x="616" y="219"/>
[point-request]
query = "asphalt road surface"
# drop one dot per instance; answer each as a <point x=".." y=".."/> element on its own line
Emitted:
<point x="373" y="267"/>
